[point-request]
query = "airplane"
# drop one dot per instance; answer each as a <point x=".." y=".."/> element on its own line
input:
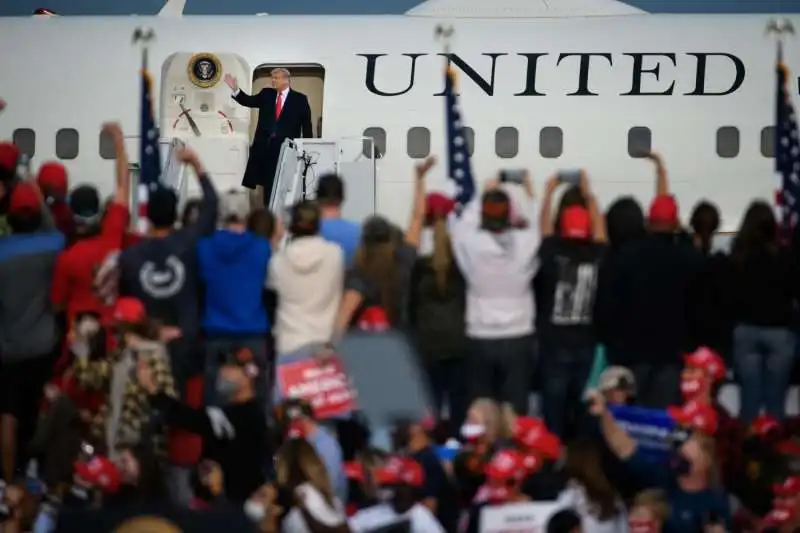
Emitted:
<point x="544" y="86"/>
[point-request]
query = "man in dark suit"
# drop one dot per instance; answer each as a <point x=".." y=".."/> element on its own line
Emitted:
<point x="282" y="114"/>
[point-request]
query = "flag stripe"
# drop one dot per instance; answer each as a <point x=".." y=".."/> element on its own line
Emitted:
<point x="787" y="151"/>
<point x="459" y="166"/>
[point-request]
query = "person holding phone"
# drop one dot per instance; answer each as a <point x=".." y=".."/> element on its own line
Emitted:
<point x="565" y="289"/>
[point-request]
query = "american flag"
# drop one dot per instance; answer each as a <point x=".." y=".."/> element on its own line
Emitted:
<point x="787" y="151"/>
<point x="459" y="168"/>
<point x="149" y="152"/>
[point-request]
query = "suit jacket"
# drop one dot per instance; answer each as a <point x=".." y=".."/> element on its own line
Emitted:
<point x="294" y="122"/>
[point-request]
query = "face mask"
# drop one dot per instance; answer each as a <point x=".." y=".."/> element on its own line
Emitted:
<point x="473" y="432"/>
<point x="226" y="388"/>
<point x="691" y="387"/>
<point x="641" y="525"/>
<point x="679" y="464"/>
<point x="255" y="511"/>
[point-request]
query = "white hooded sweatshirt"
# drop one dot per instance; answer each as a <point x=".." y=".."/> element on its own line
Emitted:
<point x="308" y="276"/>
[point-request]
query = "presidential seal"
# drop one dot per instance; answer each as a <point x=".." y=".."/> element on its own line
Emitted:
<point x="205" y="70"/>
<point x="147" y="524"/>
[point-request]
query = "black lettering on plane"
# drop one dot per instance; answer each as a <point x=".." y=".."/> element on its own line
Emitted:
<point x="530" y="75"/>
<point x="700" y="75"/>
<point x="369" y="79"/>
<point x="583" y="71"/>
<point x="639" y="71"/>
<point x="466" y="68"/>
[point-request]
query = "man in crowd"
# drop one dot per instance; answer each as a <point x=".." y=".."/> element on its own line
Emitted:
<point x="333" y="228"/>
<point x="54" y="184"/>
<point x="496" y="254"/>
<point x="282" y="114"/>
<point x="29" y="334"/>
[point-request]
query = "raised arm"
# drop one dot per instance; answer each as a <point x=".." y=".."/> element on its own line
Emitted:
<point x="619" y="442"/>
<point x="598" y="219"/>
<point x="121" y="167"/>
<point x="414" y="231"/>
<point x="252" y="101"/>
<point x="662" y="181"/>
<point x="207" y="219"/>
<point x="546" y="222"/>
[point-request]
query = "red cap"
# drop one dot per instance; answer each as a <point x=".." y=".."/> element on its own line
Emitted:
<point x="99" y="472"/>
<point x="373" y="318"/>
<point x="777" y="518"/>
<point x="664" y="209"/>
<point x="576" y="222"/>
<point x="9" y="155"/>
<point x="53" y="180"/>
<point x="534" y="435"/>
<point x="789" y="487"/>
<point x="492" y="494"/>
<point x="438" y="205"/>
<point x="696" y="416"/>
<point x="401" y="471"/>
<point x="708" y="360"/>
<point x="24" y="197"/>
<point x="354" y="470"/>
<point x="505" y="465"/>
<point x="129" y="310"/>
<point x="765" y="424"/>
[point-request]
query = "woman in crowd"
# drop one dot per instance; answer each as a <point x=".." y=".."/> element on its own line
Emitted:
<point x="307" y="492"/>
<point x="436" y="312"/>
<point x="649" y="512"/>
<point x="763" y="289"/>
<point x="590" y="492"/>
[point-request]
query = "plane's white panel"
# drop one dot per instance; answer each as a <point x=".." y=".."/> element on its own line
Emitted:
<point x="522" y="8"/>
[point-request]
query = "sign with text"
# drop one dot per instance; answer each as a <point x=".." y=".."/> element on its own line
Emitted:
<point x="650" y="428"/>
<point x="326" y="387"/>
<point x="528" y="517"/>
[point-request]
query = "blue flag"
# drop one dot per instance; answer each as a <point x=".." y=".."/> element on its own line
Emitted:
<point x="149" y="150"/>
<point x="651" y="428"/>
<point x="459" y="168"/>
<point x="787" y="150"/>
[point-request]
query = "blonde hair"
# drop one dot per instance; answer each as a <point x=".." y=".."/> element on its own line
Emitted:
<point x="656" y="501"/>
<point x="297" y="463"/>
<point x="498" y="420"/>
<point x="442" y="257"/>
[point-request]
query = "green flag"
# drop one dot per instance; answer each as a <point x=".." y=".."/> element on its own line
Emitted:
<point x="600" y="363"/>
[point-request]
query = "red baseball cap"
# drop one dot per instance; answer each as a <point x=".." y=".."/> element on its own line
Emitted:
<point x="534" y="435"/>
<point x="664" y="209"/>
<point x="401" y="471"/>
<point x="354" y="470"/>
<point x="505" y="465"/>
<point x="128" y="310"/>
<point x="789" y="487"/>
<point x="765" y="424"/>
<point x="696" y="416"/>
<point x="438" y="205"/>
<point x="708" y="360"/>
<point x="100" y="472"/>
<point x="576" y="222"/>
<point x="53" y="180"/>
<point x="25" y="197"/>
<point x="9" y="155"/>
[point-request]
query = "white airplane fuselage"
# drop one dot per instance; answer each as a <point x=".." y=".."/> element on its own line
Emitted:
<point x="683" y="77"/>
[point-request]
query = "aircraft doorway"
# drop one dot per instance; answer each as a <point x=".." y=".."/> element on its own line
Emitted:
<point x="307" y="79"/>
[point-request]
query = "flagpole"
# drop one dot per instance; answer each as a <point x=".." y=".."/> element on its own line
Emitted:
<point x="142" y="37"/>
<point x="444" y="34"/>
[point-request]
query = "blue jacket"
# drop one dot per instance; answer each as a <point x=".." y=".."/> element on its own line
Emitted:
<point x="233" y="268"/>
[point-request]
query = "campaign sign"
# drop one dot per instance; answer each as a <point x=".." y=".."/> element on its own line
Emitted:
<point x="517" y="517"/>
<point x="326" y="387"/>
<point x="650" y="427"/>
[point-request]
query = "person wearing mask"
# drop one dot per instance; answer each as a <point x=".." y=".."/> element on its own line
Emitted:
<point x="404" y="478"/>
<point x="125" y="416"/>
<point x="297" y="420"/>
<point x="763" y="290"/>
<point x="647" y="298"/>
<point x="263" y="509"/>
<point x="589" y="491"/>
<point x="29" y="334"/>
<point x="235" y="435"/>
<point x="9" y="156"/>
<point x="307" y="276"/>
<point x="378" y="282"/>
<point x="566" y="285"/>
<point x="161" y="271"/>
<point x="333" y="228"/>
<point x="95" y="237"/>
<point x="495" y="245"/>
<point x="54" y="184"/>
<point x="649" y="512"/>
<point x="233" y="265"/>
<point x="436" y="314"/>
<point x="687" y="478"/>
<point x="311" y="503"/>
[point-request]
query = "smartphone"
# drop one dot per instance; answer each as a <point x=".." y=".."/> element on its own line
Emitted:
<point x="512" y="176"/>
<point x="570" y="177"/>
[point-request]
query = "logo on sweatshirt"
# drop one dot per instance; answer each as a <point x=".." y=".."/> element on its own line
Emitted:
<point x="163" y="282"/>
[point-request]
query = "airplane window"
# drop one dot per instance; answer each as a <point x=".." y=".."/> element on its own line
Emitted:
<point x="106" y="146"/>
<point x="768" y="141"/>
<point x="728" y="141"/>
<point x="639" y="141"/>
<point x="551" y="142"/>
<point x="418" y="143"/>
<point x="379" y="138"/>
<point x="67" y="143"/>
<point x="506" y="142"/>
<point x="25" y="139"/>
<point x="469" y="135"/>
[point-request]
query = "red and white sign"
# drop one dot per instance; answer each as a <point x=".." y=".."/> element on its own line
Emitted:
<point x="326" y="387"/>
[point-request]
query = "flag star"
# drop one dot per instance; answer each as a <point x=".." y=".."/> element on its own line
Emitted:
<point x="455" y="109"/>
<point x="151" y="134"/>
<point x="148" y="150"/>
<point x="458" y="174"/>
<point x="458" y="124"/>
<point x="458" y="140"/>
<point x="459" y="157"/>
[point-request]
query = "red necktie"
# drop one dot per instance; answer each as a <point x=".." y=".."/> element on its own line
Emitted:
<point x="279" y="106"/>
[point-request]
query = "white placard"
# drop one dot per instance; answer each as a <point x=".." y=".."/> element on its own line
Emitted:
<point x="517" y="517"/>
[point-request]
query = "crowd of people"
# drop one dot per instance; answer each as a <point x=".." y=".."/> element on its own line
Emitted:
<point x="139" y="371"/>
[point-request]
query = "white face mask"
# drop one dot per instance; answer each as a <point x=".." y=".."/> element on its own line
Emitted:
<point x="254" y="510"/>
